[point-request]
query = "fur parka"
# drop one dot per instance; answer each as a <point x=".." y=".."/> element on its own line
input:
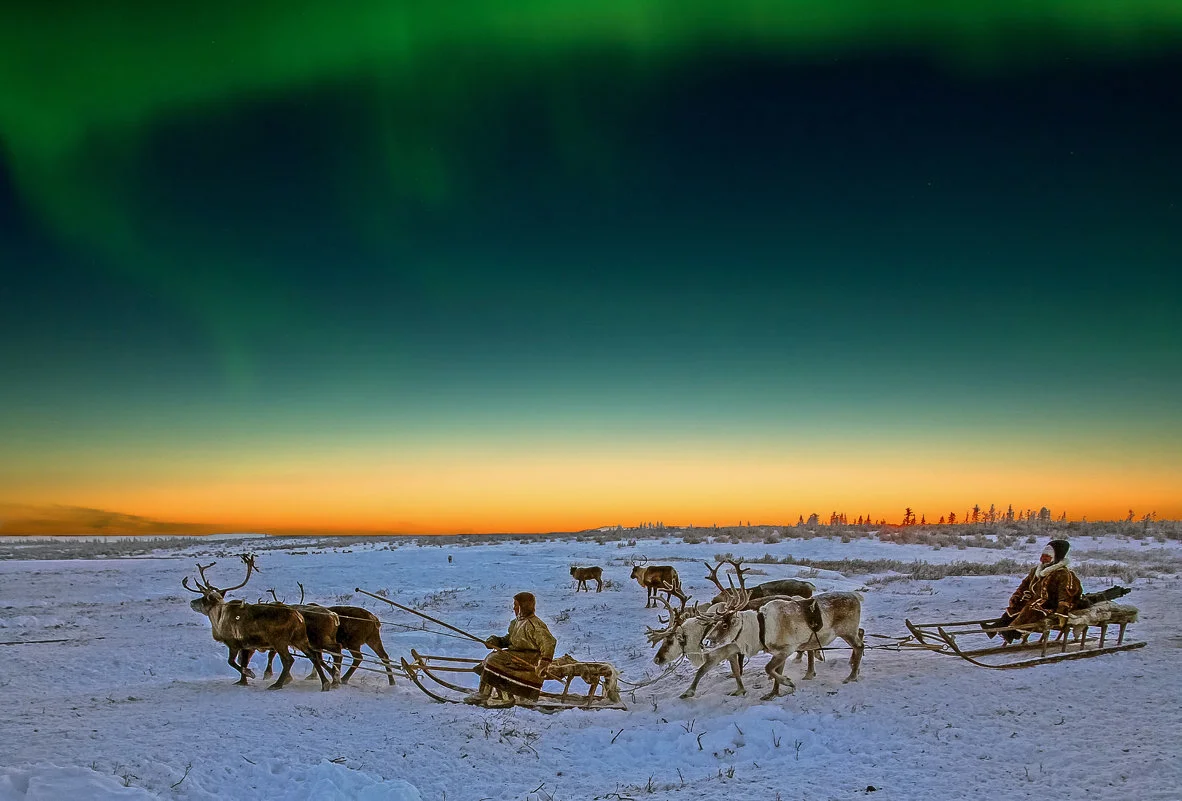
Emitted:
<point x="1047" y="589"/>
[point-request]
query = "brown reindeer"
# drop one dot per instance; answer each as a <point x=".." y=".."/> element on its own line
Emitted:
<point x="792" y="587"/>
<point x="360" y="627"/>
<point x="653" y="577"/>
<point x="244" y="628"/>
<point x="780" y="628"/>
<point x="585" y="574"/>
<point x="356" y="626"/>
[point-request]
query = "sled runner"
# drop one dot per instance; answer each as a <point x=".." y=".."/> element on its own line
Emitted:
<point x="563" y="670"/>
<point x="963" y="638"/>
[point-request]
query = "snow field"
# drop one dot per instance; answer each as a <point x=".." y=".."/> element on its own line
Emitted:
<point x="140" y="703"/>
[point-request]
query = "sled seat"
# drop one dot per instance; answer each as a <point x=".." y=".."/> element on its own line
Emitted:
<point x="1103" y="615"/>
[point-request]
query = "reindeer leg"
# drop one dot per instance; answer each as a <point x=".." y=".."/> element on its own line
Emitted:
<point x="337" y="659"/>
<point x="858" y="644"/>
<point x="710" y="659"/>
<point x="268" y="673"/>
<point x="591" y="686"/>
<point x="234" y="660"/>
<point x="318" y="664"/>
<point x="287" y="660"/>
<point x="357" y="658"/>
<point x="775" y="671"/>
<point x="244" y="657"/>
<point x="599" y="585"/>
<point x="811" y="671"/>
<point x="376" y="645"/>
<point x="737" y="672"/>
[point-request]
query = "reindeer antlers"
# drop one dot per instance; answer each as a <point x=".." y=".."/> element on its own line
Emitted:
<point x="670" y="593"/>
<point x="248" y="560"/>
<point x="738" y="570"/>
<point x="204" y="585"/>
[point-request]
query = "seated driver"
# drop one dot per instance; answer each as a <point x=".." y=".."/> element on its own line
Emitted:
<point x="1050" y="588"/>
<point x="519" y="660"/>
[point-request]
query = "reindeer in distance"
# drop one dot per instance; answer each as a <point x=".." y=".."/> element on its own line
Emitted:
<point x="585" y="574"/>
<point x="245" y="628"/>
<point x="653" y="578"/>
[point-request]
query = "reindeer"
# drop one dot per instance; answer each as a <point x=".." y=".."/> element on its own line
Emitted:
<point x="791" y="587"/>
<point x="687" y="627"/>
<point x="335" y="627"/>
<point x="585" y="574"/>
<point x="356" y="627"/>
<point x="244" y="628"/>
<point x="780" y="628"/>
<point x="322" y="624"/>
<point x="683" y="633"/>
<point x="783" y="589"/>
<point x="653" y="578"/>
<point x="359" y="627"/>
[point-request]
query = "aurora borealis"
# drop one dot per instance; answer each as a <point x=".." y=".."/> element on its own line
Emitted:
<point x="546" y="266"/>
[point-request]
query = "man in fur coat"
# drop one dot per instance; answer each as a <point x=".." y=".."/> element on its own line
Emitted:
<point x="515" y="667"/>
<point x="1050" y="588"/>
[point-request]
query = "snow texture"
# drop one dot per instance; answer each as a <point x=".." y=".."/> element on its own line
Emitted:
<point x="138" y="702"/>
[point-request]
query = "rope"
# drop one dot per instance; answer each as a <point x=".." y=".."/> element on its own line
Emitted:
<point x="636" y="686"/>
<point x="381" y="622"/>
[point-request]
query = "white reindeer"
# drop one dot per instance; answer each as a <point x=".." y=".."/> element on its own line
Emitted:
<point x="781" y="628"/>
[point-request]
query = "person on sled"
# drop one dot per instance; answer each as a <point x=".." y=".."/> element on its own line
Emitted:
<point x="1050" y="588"/>
<point x="519" y="660"/>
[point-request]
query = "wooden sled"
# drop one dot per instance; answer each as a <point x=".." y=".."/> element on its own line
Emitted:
<point x="1073" y="642"/>
<point x="427" y="666"/>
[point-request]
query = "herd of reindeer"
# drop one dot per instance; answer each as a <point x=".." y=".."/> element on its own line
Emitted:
<point x="780" y="618"/>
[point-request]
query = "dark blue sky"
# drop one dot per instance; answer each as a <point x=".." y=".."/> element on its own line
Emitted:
<point x="858" y="242"/>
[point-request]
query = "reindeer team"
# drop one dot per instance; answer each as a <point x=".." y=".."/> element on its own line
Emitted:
<point x="777" y="617"/>
<point x="276" y="627"/>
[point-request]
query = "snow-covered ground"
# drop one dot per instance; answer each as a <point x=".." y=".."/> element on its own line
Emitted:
<point x="137" y="701"/>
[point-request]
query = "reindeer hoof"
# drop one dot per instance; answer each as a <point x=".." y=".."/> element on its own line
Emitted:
<point x="248" y="673"/>
<point x="809" y="676"/>
<point x="335" y="684"/>
<point x="325" y="688"/>
<point x="687" y="694"/>
<point x="737" y="692"/>
<point x="849" y="679"/>
<point x="769" y="696"/>
<point x="268" y="673"/>
<point x="275" y="686"/>
<point x="241" y="682"/>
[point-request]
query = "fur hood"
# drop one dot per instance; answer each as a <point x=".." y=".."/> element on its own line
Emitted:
<point x="1042" y="570"/>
